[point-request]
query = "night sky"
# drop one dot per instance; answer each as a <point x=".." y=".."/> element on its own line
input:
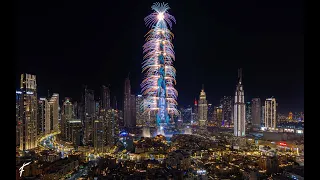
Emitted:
<point x="71" y="43"/>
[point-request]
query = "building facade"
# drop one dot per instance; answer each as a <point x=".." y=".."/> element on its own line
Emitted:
<point x="256" y="112"/>
<point x="239" y="109"/>
<point x="127" y="115"/>
<point x="54" y="113"/>
<point x="203" y="109"/>
<point x="270" y="113"/>
<point x="105" y="98"/>
<point x="226" y="103"/>
<point x="28" y="112"/>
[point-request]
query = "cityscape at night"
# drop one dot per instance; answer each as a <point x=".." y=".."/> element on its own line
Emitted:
<point x="159" y="90"/>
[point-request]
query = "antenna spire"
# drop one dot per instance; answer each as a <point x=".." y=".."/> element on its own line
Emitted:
<point x="240" y="75"/>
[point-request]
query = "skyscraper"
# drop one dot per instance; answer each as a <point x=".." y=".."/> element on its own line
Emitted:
<point x="256" y="112"/>
<point x="158" y="84"/>
<point x="139" y="111"/>
<point x="262" y="116"/>
<point x="217" y="116"/>
<point x="18" y="116"/>
<point x="89" y="115"/>
<point x="133" y="110"/>
<point x="248" y="113"/>
<point x="28" y="112"/>
<point x="127" y="104"/>
<point x="43" y="116"/>
<point x="270" y="113"/>
<point x="239" y="109"/>
<point x="226" y="102"/>
<point x="210" y="113"/>
<point x="98" y="136"/>
<point x="203" y="108"/>
<point x="112" y="127"/>
<point x="195" y="114"/>
<point x="187" y="115"/>
<point x="54" y="113"/>
<point x="67" y="115"/>
<point x="105" y="97"/>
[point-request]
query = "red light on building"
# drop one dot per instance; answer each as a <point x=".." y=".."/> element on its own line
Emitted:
<point x="283" y="144"/>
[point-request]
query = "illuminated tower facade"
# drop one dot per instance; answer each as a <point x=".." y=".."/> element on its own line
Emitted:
<point x="105" y="97"/>
<point x="158" y="84"/>
<point x="88" y="116"/>
<point x="54" y="113"/>
<point x="270" y="113"/>
<point x="129" y="105"/>
<point x="256" y="112"/>
<point x="239" y="109"/>
<point x="226" y="102"/>
<point x="202" y="108"/>
<point x="43" y="116"/>
<point x="67" y="114"/>
<point x="28" y="112"/>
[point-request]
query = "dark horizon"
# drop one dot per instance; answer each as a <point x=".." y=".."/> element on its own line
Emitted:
<point x="98" y="43"/>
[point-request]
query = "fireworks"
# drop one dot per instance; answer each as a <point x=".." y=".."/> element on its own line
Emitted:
<point x="158" y="84"/>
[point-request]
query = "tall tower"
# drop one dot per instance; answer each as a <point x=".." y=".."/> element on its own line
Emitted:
<point x="43" y="116"/>
<point x="270" y="113"/>
<point x="105" y="97"/>
<point x="203" y="108"/>
<point x="140" y="119"/>
<point x="256" y="112"/>
<point x="67" y="114"/>
<point x="54" y="112"/>
<point x="210" y="114"/>
<point x="239" y="109"/>
<point x="127" y="104"/>
<point x="89" y="115"/>
<point x="28" y="112"/>
<point x="158" y="85"/>
<point x="226" y="102"/>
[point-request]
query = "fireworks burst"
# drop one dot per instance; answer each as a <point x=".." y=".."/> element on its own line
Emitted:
<point x="158" y="84"/>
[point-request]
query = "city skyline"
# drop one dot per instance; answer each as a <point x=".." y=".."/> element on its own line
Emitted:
<point x="78" y="117"/>
<point x="272" y="64"/>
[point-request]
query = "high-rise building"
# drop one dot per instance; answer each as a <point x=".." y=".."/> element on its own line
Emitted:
<point x="262" y="116"/>
<point x="66" y="115"/>
<point x="98" y="136"/>
<point x="186" y="114"/>
<point x="73" y="129"/>
<point x="89" y="116"/>
<point x="133" y="110"/>
<point x="218" y="116"/>
<point x="203" y="108"/>
<point x="140" y="121"/>
<point x="270" y="113"/>
<point x="127" y="104"/>
<point x="239" y="109"/>
<point x="105" y="98"/>
<point x="226" y="102"/>
<point x="43" y="116"/>
<point x="210" y="113"/>
<point x="248" y="113"/>
<point x="112" y="127"/>
<point x="158" y="84"/>
<point x="256" y="112"/>
<point x="28" y="112"/>
<point x="54" y="113"/>
<point x="18" y="116"/>
<point x="195" y="114"/>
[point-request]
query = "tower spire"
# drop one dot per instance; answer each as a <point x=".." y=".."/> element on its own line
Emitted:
<point x="240" y="75"/>
<point x="203" y="87"/>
